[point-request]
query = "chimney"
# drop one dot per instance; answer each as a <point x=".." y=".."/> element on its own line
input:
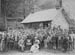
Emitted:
<point x="59" y="4"/>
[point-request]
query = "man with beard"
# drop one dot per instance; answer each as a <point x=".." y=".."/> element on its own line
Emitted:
<point x="65" y="43"/>
<point x="28" y="42"/>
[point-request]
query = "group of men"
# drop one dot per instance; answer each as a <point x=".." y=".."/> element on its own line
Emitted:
<point x="54" y="38"/>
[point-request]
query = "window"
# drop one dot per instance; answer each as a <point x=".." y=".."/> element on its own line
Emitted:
<point x="45" y="24"/>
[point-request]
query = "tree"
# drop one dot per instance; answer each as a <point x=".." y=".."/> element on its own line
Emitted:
<point x="17" y="7"/>
<point x="11" y="7"/>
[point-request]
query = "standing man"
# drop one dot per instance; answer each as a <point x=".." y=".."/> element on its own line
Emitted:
<point x="28" y="42"/>
<point x="65" y="43"/>
<point x="72" y="35"/>
<point x="21" y="44"/>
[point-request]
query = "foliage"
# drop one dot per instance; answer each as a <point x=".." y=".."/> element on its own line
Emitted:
<point x="14" y="8"/>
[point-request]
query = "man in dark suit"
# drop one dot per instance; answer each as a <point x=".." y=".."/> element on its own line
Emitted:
<point x="65" y="44"/>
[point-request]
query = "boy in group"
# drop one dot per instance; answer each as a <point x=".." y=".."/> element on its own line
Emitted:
<point x="21" y="44"/>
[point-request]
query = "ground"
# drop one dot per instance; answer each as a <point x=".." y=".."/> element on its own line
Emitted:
<point x="41" y="52"/>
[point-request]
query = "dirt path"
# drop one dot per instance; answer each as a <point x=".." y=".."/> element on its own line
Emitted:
<point x="41" y="52"/>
